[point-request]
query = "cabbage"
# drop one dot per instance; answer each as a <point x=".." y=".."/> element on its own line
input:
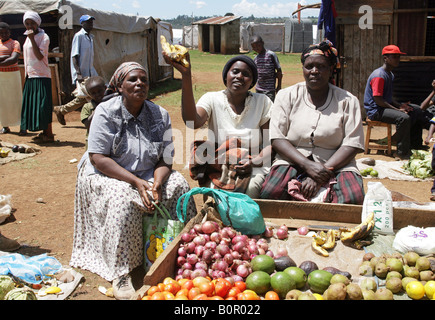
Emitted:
<point x="6" y="285"/>
<point x="419" y="164"/>
<point x="21" y="294"/>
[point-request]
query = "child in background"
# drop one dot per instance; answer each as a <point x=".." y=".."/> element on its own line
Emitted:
<point x="427" y="141"/>
<point x="95" y="88"/>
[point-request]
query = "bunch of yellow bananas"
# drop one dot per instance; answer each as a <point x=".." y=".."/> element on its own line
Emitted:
<point x="354" y="237"/>
<point x="175" y="52"/>
<point x="324" y="241"/>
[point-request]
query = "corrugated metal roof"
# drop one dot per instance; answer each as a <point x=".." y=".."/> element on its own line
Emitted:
<point x="218" y="20"/>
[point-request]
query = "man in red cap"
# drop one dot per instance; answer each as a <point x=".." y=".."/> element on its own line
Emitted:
<point x="380" y="105"/>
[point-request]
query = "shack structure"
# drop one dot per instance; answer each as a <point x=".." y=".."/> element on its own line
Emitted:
<point x="219" y="35"/>
<point x="118" y="38"/>
<point x="407" y="24"/>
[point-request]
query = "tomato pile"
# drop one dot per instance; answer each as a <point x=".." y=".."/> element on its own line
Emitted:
<point x="203" y="288"/>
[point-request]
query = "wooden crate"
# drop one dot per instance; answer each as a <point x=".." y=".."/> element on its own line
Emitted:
<point x="317" y="216"/>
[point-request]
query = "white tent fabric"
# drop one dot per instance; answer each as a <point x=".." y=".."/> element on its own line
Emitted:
<point x="118" y="37"/>
<point x="104" y="20"/>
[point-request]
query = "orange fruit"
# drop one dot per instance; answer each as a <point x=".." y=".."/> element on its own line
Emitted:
<point x="146" y="298"/>
<point x="207" y="288"/>
<point x="182" y="292"/>
<point x="173" y="287"/>
<point x="271" y="295"/>
<point x="168" y="280"/>
<point x="231" y="298"/>
<point x="415" y="290"/>
<point x="241" y="285"/>
<point x="215" y="298"/>
<point x="183" y="281"/>
<point x="181" y="297"/>
<point x="187" y="284"/>
<point x="233" y="292"/>
<point x="153" y="290"/>
<point x="158" y="296"/>
<point x="199" y="280"/>
<point x="429" y="289"/>
<point x="161" y="286"/>
<point x="201" y="296"/>
<point x="248" y="295"/>
<point x="168" y="295"/>
<point x="193" y="293"/>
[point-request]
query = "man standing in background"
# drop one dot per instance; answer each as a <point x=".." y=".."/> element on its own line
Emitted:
<point x="269" y="69"/>
<point x="82" y="64"/>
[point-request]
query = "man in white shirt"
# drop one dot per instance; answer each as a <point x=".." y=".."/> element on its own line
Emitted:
<point x="82" y="64"/>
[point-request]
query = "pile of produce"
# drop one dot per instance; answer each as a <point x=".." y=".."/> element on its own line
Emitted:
<point x="9" y="291"/>
<point x="419" y="164"/>
<point x="409" y="274"/>
<point x="217" y="252"/>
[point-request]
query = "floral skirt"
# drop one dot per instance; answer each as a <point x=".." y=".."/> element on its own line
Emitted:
<point x="108" y="230"/>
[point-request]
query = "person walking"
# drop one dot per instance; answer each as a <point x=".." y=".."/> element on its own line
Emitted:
<point x="82" y="65"/>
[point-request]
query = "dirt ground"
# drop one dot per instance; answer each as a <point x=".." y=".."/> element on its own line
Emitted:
<point x="47" y="226"/>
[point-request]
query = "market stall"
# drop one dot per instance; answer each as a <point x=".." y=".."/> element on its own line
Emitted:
<point x="291" y="249"/>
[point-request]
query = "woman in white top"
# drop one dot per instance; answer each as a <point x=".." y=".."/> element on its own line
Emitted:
<point x="37" y="108"/>
<point x="235" y="112"/>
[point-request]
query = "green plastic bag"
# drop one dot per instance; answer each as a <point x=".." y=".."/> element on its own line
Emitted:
<point x="159" y="230"/>
<point x="236" y="209"/>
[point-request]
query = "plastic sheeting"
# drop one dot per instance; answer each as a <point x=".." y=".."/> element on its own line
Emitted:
<point x="104" y="20"/>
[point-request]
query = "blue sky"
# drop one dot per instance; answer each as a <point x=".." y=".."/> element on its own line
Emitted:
<point x="167" y="9"/>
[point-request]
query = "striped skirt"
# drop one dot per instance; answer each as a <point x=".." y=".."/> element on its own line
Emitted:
<point x="37" y="108"/>
<point x="348" y="189"/>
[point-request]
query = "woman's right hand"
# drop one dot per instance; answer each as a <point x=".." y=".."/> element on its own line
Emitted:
<point x="145" y="192"/>
<point x="318" y="172"/>
<point x="177" y="65"/>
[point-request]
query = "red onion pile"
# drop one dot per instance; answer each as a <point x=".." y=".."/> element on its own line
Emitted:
<point x="218" y="252"/>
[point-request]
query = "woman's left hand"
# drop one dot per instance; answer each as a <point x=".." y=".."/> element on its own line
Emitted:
<point x="157" y="192"/>
<point x="244" y="167"/>
<point x="309" y="188"/>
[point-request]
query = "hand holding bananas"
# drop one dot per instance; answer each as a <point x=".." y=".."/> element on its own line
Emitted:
<point x="176" y="52"/>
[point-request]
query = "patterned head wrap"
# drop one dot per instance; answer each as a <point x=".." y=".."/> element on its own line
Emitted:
<point x="324" y="48"/>
<point x="32" y="15"/>
<point x="121" y="73"/>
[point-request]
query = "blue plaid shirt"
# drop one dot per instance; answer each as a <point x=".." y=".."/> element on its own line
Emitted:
<point x="136" y="144"/>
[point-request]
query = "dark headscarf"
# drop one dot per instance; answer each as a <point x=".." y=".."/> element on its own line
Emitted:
<point x="246" y="60"/>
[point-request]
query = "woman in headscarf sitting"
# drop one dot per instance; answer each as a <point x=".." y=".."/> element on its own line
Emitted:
<point x="126" y="171"/>
<point x="316" y="131"/>
<point x="236" y="155"/>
